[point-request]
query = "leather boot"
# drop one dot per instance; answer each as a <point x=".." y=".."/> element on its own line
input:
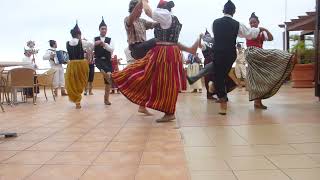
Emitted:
<point x="90" y="88"/>
<point x="55" y="92"/>
<point x="63" y="92"/>
<point x="106" y="95"/>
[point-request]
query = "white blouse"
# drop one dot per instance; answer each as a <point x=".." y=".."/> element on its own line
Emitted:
<point x="246" y="32"/>
<point x="162" y="16"/>
<point x="87" y="46"/>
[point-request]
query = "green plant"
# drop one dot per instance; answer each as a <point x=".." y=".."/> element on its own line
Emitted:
<point x="305" y="55"/>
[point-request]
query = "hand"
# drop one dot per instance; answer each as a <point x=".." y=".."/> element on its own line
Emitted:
<point x="103" y="44"/>
<point x="52" y="56"/>
<point x="262" y="29"/>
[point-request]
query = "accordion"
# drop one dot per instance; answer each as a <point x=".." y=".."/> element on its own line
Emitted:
<point x="63" y="57"/>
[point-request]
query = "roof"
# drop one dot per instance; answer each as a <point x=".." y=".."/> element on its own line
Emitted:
<point x="302" y="23"/>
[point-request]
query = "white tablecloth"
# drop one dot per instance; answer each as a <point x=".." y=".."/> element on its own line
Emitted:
<point x="12" y="63"/>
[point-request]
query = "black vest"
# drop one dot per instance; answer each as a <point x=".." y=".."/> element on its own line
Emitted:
<point x="208" y="54"/>
<point x="169" y="35"/>
<point x="75" y="52"/>
<point x="100" y="52"/>
<point x="225" y="32"/>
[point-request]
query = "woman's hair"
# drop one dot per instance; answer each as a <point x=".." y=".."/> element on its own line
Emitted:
<point x="52" y="43"/>
<point x="253" y="15"/>
<point x="132" y="5"/>
<point x="166" y="5"/>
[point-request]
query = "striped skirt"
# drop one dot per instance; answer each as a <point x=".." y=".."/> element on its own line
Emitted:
<point x="77" y="75"/>
<point x="267" y="71"/>
<point x="153" y="81"/>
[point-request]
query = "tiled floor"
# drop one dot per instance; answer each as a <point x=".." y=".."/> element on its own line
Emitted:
<point x="116" y="143"/>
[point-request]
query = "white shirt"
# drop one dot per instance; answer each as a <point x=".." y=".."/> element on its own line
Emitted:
<point x="246" y="32"/>
<point x="162" y="16"/>
<point x="129" y="58"/>
<point x="47" y="56"/>
<point x="108" y="47"/>
<point x="87" y="46"/>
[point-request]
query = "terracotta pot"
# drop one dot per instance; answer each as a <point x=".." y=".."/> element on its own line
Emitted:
<point x="302" y="76"/>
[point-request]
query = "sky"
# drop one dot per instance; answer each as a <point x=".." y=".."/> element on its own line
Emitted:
<point x="42" y="20"/>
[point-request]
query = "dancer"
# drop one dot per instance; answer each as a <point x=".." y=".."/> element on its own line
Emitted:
<point x="58" y="80"/>
<point x="240" y="68"/>
<point x="207" y="51"/>
<point x="103" y="50"/>
<point x="115" y="67"/>
<point x="90" y="59"/>
<point x="193" y="68"/>
<point x="136" y="31"/>
<point x="226" y="30"/>
<point x="77" y="70"/>
<point x="153" y="81"/>
<point x="267" y="69"/>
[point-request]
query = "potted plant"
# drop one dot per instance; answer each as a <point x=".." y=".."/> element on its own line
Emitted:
<point x="303" y="73"/>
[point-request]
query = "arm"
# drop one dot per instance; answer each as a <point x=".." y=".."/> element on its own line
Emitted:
<point x="161" y="16"/>
<point x="248" y="33"/>
<point x="135" y="14"/>
<point x="87" y="46"/>
<point x="268" y="36"/>
<point x="109" y="47"/>
<point x="47" y="55"/>
<point x="97" y="43"/>
<point x="147" y="8"/>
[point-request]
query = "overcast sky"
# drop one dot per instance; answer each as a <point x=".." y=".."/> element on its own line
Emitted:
<point x="42" y="20"/>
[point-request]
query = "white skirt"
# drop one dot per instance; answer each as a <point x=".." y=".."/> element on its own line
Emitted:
<point x="192" y="70"/>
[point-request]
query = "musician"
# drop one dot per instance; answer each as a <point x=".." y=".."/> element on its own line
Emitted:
<point x="58" y="80"/>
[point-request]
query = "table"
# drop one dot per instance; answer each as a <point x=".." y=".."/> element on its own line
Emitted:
<point x="13" y="63"/>
<point x="9" y="64"/>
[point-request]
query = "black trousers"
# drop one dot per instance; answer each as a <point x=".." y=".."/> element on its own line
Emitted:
<point x="91" y="73"/>
<point x="223" y="61"/>
<point x="140" y="50"/>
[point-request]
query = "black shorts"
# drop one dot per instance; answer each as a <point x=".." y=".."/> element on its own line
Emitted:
<point x="140" y="50"/>
<point x="103" y="65"/>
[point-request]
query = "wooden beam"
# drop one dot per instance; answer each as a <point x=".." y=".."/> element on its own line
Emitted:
<point x="317" y="49"/>
<point x="302" y="24"/>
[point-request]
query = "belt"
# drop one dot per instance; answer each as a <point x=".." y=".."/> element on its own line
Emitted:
<point x="167" y="43"/>
<point x="101" y="58"/>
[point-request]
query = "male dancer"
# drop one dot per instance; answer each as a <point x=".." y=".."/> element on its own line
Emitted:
<point x="103" y="50"/>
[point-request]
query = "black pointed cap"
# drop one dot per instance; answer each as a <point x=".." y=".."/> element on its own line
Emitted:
<point x="229" y="8"/>
<point x="102" y="23"/>
<point x="76" y="29"/>
<point x="207" y="32"/>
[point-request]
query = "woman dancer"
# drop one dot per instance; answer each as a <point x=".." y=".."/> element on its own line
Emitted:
<point x="78" y="69"/>
<point x="267" y="69"/>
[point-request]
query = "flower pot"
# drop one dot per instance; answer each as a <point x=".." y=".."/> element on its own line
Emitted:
<point x="302" y="76"/>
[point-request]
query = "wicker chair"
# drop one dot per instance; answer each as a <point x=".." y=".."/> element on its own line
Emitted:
<point x="2" y="88"/>
<point x="46" y="80"/>
<point x="20" y="78"/>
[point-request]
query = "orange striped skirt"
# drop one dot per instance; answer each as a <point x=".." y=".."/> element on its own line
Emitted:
<point x="153" y="81"/>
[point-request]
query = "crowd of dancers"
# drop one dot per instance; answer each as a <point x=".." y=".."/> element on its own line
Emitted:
<point x="153" y="78"/>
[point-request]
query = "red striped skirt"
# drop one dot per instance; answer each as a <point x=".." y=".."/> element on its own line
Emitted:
<point x="153" y="81"/>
